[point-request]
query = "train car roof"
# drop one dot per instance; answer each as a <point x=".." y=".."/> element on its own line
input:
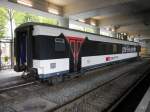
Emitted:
<point x="28" y="24"/>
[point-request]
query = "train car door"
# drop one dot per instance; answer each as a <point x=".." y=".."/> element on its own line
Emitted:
<point x="20" y="50"/>
<point x="75" y="58"/>
<point x="23" y="49"/>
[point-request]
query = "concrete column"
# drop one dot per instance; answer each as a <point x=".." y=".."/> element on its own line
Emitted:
<point x="97" y="30"/>
<point x="64" y="22"/>
<point x="97" y="26"/>
<point x="116" y="30"/>
<point x="115" y="34"/>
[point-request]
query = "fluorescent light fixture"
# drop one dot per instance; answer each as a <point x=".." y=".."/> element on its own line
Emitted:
<point x="93" y="23"/>
<point x="25" y="2"/>
<point x="53" y="11"/>
<point x="113" y="30"/>
<point x="108" y="29"/>
<point x="81" y="20"/>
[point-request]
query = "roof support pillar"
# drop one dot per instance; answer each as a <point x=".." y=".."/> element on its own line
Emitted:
<point x="97" y="30"/>
<point x="64" y="22"/>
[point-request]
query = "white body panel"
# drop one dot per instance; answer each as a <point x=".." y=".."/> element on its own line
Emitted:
<point x="51" y="66"/>
<point x="95" y="60"/>
<point x="45" y="67"/>
<point x="55" y="31"/>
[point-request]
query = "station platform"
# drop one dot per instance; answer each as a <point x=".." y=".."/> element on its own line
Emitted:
<point x="8" y="73"/>
<point x="144" y="105"/>
<point x="7" y="76"/>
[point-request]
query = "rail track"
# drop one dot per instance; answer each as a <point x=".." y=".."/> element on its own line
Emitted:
<point x="131" y="97"/>
<point x="61" y="108"/>
<point x="17" y="85"/>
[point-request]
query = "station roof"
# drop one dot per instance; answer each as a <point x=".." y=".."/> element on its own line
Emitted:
<point x="130" y="16"/>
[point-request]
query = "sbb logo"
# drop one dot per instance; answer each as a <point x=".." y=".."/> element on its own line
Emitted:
<point x="111" y="58"/>
<point x="108" y="58"/>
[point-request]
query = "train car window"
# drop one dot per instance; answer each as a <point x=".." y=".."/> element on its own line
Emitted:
<point x="124" y="49"/>
<point x="48" y="47"/>
<point x="100" y="48"/>
<point x="41" y="45"/>
<point x="119" y="48"/>
<point x="114" y="48"/>
<point x="97" y="48"/>
<point x="89" y="48"/>
<point x="128" y="49"/>
<point x="59" y="45"/>
<point x="133" y="48"/>
<point x="92" y="48"/>
<point x="108" y="48"/>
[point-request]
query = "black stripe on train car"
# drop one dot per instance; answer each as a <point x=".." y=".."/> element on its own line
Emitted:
<point x="94" y="48"/>
<point x="45" y="47"/>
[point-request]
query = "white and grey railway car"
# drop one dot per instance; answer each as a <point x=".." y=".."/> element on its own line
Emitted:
<point x="47" y="50"/>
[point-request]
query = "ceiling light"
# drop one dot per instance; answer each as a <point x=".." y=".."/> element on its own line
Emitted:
<point x="25" y="2"/>
<point x="113" y="30"/>
<point x="54" y="11"/>
<point x="93" y="23"/>
<point x="108" y="29"/>
<point x="81" y="20"/>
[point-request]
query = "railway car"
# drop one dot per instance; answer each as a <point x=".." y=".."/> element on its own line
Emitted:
<point x="47" y="51"/>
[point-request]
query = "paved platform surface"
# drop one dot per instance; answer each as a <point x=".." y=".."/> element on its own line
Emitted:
<point x="42" y="97"/>
<point x="144" y="105"/>
<point x="4" y="74"/>
<point x="9" y="75"/>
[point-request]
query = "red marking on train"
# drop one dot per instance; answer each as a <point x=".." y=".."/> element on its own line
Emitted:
<point x="75" y="44"/>
<point x="80" y="39"/>
<point x="109" y="58"/>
